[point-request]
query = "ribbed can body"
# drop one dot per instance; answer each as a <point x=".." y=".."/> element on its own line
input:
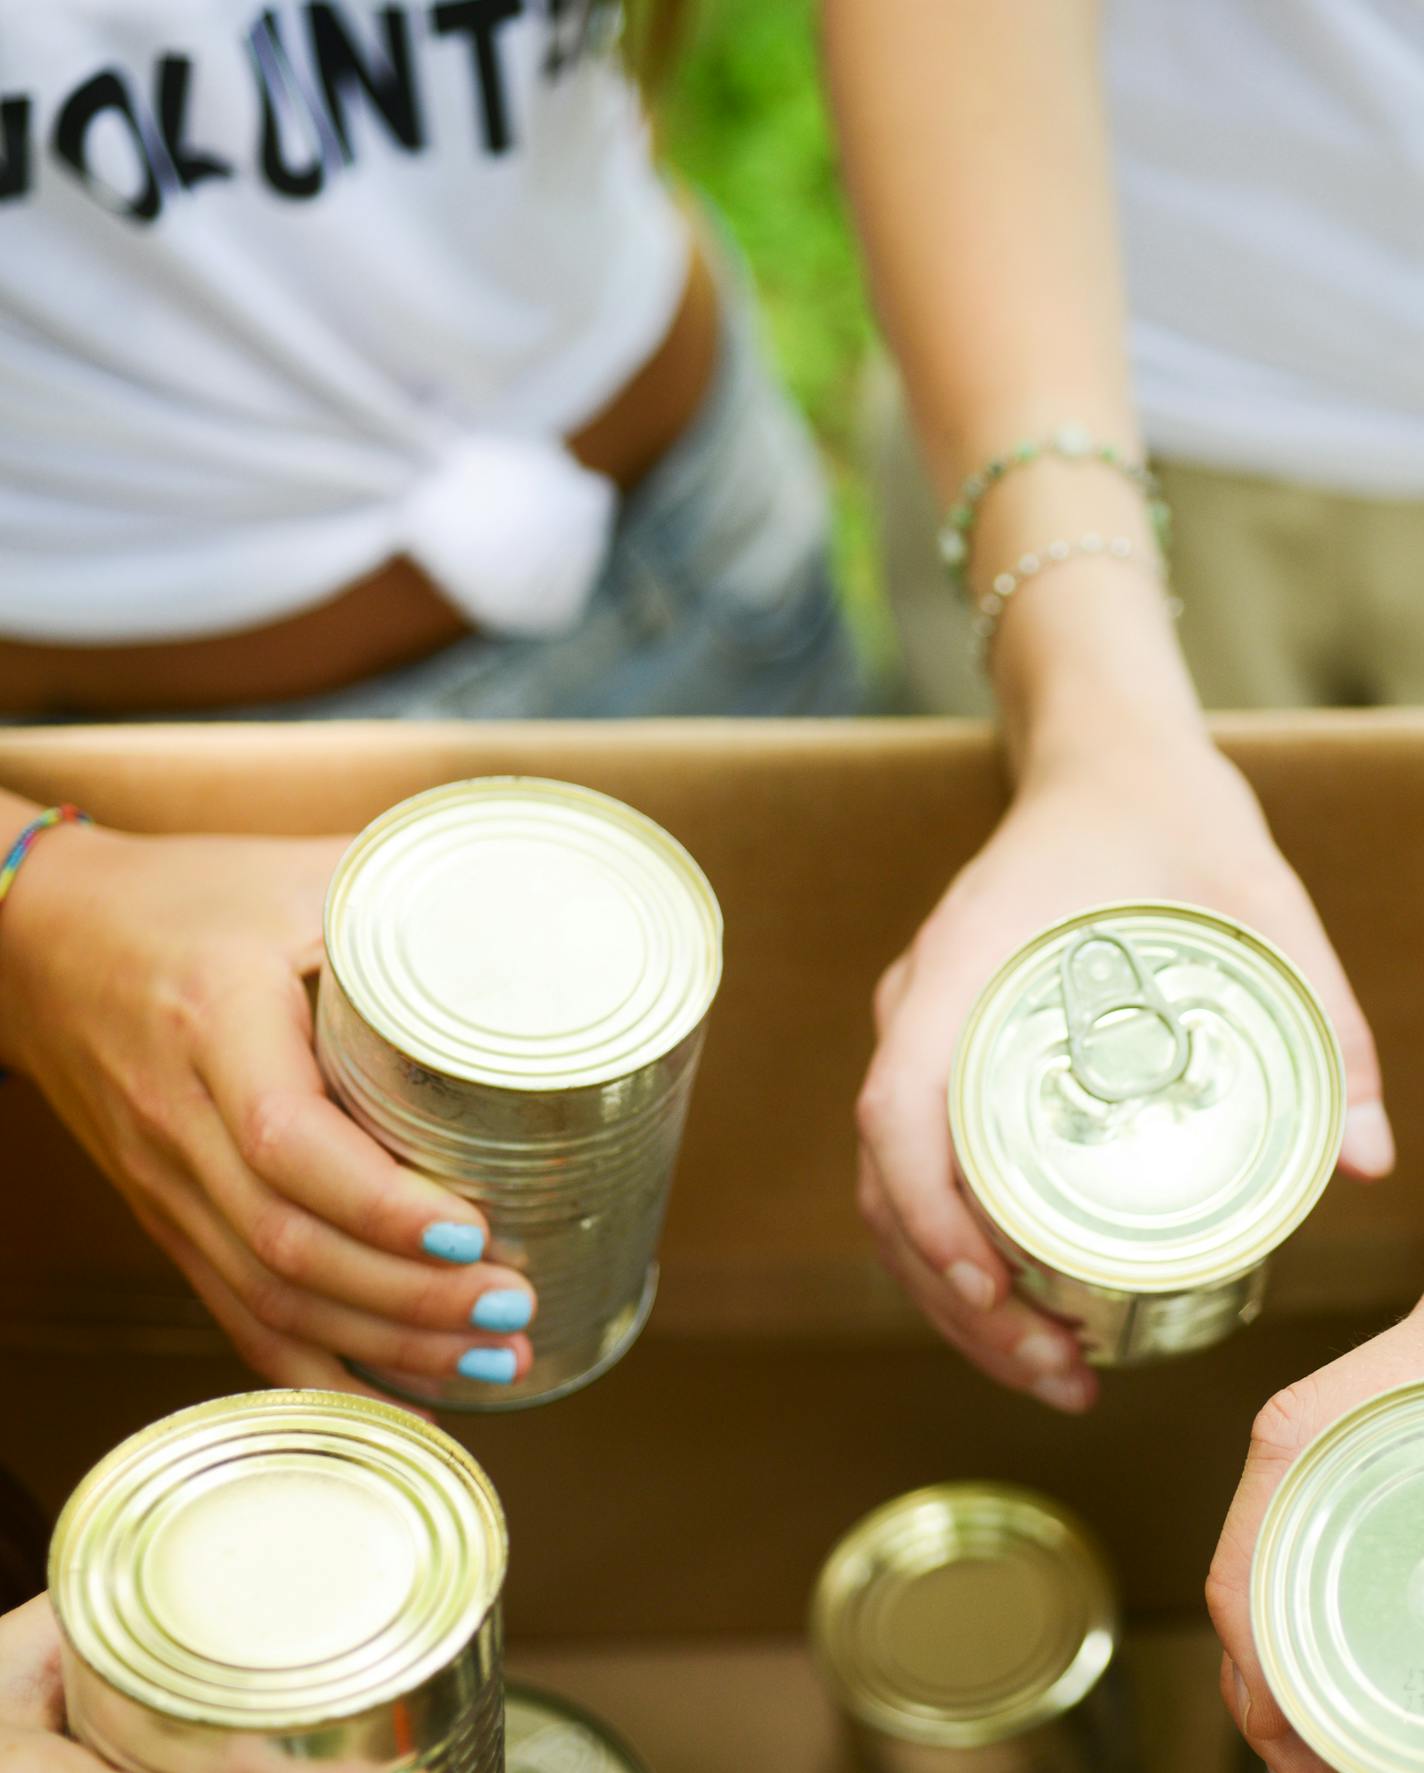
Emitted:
<point x="452" y="1723"/>
<point x="1117" y="1328"/>
<point x="575" y="1184"/>
<point x="1097" y="1736"/>
<point x="517" y="979"/>
<point x="280" y="1579"/>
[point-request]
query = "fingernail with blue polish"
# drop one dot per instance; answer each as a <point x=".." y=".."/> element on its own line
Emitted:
<point x="505" y="1309"/>
<point x="453" y="1243"/>
<point x="493" y="1365"/>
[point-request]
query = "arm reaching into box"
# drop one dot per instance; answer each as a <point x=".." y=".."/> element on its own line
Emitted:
<point x="32" y="1697"/>
<point x="976" y="153"/>
<point x="152" y="987"/>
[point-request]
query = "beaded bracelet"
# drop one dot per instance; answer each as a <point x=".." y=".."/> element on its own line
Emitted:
<point x="1005" y="584"/>
<point x="1070" y="443"/>
<point x="30" y="836"/>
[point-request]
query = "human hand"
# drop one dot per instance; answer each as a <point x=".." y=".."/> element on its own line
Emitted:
<point x="32" y="1738"/>
<point x="153" y="989"/>
<point x="33" y="1721"/>
<point x="1288" y="1423"/>
<point x="1176" y="822"/>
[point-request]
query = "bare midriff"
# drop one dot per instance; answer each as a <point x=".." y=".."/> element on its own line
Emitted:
<point x="392" y="617"/>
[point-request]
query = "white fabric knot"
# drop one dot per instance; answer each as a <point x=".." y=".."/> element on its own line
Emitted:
<point x="513" y="530"/>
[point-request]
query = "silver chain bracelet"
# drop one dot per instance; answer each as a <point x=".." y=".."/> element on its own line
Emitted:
<point x="991" y="605"/>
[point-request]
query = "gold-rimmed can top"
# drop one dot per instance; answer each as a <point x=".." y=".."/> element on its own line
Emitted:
<point x="524" y="934"/>
<point x="546" y="1734"/>
<point x="1337" y="1588"/>
<point x="964" y="1614"/>
<point x="273" y="1562"/>
<point x="1148" y="1098"/>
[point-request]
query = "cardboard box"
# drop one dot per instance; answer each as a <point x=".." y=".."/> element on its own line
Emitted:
<point x="667" y="1524"/>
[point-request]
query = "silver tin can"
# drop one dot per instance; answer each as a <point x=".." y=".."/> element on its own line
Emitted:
<point x="281" y="1578"/>
<point x="517" y="977"/>
<point x="1148" y="1099"/>
<point x="1337" y="1588"/>
<point x="546" y="1734"/>
<point x="972" y="1628"/>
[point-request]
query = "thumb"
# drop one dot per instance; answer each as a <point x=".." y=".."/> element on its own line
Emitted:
<point x="1367" y="1151"/>
<point x="31" y="1693"/>
<point x="32" y="1717"/>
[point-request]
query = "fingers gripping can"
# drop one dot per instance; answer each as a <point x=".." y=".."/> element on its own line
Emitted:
<point x="517" y="977"/>
<point x="1337" y="1588"/>
<point x="1147" y="1101"/>
<point x="971" y="1628"/>
<point x="545" y="1734"/>
<point x="282" y="1578"/>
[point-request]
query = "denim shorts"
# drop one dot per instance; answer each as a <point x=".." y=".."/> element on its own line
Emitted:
<point x="716" y="599"/>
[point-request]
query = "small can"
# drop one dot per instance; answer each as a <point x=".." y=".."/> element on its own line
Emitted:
<point x="1337" y="1588"/>
<point x="546" y="1734"/>
<point x="280" y="1578"/>
<point x="517" y="978"/>
<point x="972" y="1628"/>
<point x="1148" y="1100"/>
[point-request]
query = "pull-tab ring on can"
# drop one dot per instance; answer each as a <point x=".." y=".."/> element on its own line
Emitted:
<point x="1147" y="1099"/>
<point x="1095" y="990"/>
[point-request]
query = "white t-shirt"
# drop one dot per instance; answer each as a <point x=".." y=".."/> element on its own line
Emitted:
<point x="1270" y="159"/>
<point x="287" y="289"/>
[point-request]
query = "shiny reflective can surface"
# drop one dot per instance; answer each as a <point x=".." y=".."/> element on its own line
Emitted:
<point x="970" y="1628"/>
<point x="1337" y="1588"/>
<point x="517" y="978"/>
<point x="545" y="1734"/>
<point x="280" y="1578"/>
<point x="1148" y="1101"/>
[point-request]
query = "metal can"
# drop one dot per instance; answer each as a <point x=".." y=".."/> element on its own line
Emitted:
<point x="546" y="1734"/>
<point x="1148" y="1100"/>
<point x="1337" y="1588"/>
<point x="517" y="977"/>
<point x="280" y="1578"/>
<point x="971" y="1628"/>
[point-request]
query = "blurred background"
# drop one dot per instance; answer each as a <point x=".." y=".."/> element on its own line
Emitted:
<point x="742" y="116"/>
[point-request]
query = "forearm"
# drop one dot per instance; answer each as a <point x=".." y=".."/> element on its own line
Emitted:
<point x="977" y="160"/>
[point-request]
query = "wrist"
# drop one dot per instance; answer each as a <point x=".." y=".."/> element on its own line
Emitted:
<point x="34" y="918"/>
<point x="1134" y="759"/>
<point x="1085" y="663"/>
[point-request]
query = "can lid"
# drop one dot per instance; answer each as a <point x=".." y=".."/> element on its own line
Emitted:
<point x="524" y="933"/>
<point x="1337" y="1588"/>
<point x="1148" y="1097"/>
<point x="547" y="1734"/>
<point x="278" y="1559"/>
<point x="963" y="1614"/>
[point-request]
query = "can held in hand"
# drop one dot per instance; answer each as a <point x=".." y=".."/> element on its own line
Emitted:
<point x="283" y="1578"/>
<point x="1337" y="1588"/>
<point x="546" y="1734"/>
<point x="1148" y="1100"/>
<point x="517" y="978"/>
<point x="972" y="1628"/>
